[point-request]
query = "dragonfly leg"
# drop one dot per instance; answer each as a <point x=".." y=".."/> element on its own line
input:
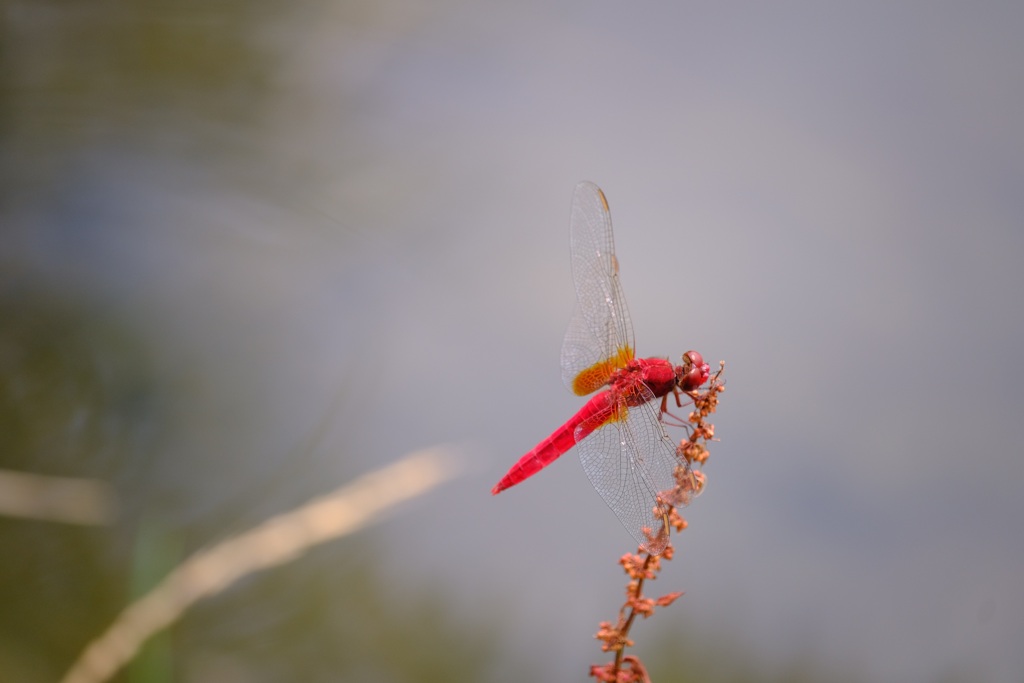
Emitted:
<point x="679" y="401"/>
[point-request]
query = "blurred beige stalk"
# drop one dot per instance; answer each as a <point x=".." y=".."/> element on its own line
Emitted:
<point x="55" y="499"/>
<point x="275" y="541"/>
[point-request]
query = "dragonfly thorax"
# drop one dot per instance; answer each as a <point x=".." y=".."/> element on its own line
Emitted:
<point x="657" y="373"/>
<point x="660" y="376"/>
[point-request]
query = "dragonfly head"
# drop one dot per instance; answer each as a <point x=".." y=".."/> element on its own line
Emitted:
<point x="693" y="372"/>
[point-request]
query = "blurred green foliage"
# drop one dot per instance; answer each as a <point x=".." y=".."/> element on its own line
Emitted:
<point x="77" y="398"/>
<point x="73" y="74"/>
<point x="75" y="401"/>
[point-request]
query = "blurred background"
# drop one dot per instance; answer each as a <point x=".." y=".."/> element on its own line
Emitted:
<point x="252" y="250"/>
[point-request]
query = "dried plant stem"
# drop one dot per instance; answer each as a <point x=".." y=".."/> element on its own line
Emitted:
<point x="621" y="652"/>
<point x="276" y="541"/>
<point x="691" y="451"/>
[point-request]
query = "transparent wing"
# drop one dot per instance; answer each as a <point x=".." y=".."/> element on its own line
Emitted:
<point x="600" y="336"/>
<point x="631" y="461"/>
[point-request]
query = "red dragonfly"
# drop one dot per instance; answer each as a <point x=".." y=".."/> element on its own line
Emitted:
<point x="619" y="433"/>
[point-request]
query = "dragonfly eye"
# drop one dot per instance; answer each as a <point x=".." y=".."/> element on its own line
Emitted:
<point x="693" y="372"/>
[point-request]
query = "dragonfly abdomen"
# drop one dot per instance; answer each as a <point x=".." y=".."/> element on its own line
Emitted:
<point x="551" y="448"/>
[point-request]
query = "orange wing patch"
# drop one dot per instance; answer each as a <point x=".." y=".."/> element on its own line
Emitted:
<point x="597" y="375"/>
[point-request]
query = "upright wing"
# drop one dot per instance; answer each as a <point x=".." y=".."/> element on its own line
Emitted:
<point x="600" y="336"/>
<point x="632" y="463"/>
